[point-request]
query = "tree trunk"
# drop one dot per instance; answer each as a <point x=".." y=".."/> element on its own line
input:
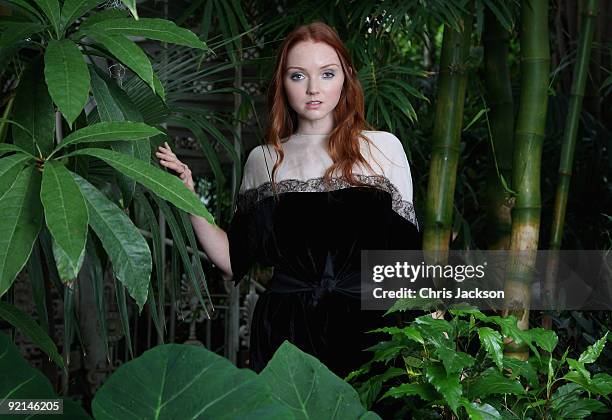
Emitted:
<point x="446" y="138"/>
<point x="529" y="135"/>
<point x="496" y="40"/>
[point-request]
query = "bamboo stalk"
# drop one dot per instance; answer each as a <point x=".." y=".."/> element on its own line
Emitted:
<point x="446" y="138"/>
<point x="529" y="136"/>
<point x="496" y="42"/>
<point x="568" y="147"/>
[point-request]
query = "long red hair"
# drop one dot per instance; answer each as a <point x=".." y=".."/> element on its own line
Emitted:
<point x="348" y="115"/>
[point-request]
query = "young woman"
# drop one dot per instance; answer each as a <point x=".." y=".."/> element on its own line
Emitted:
<point x="320" y="190"/>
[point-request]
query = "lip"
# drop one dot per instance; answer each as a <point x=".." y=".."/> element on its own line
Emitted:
<point x="313" y="106"/>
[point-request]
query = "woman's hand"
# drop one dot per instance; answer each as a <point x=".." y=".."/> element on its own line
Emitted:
<point x="169" y="160"/>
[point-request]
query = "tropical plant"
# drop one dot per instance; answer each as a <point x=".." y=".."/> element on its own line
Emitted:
<point x="456" y="367"/>
<point x="58" y="179"/>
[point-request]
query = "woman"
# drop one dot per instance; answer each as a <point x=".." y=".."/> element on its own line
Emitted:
<point x="334" y="190"/>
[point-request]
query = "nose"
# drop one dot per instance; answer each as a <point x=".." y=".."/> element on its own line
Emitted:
<point x="313" y="87"/>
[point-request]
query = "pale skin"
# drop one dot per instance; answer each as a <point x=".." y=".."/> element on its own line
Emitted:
<point x="313" y="73"/>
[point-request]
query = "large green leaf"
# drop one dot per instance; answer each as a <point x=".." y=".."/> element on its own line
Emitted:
<point x="33" y="109"/>
<point x="74" y="9"/>
<point x="10" y="167"/>
<point x="159" y="29"/>
<point x="125" y="246"/>
<point x="125" y="51"/>
<point x="109" y="131"/>
<point x="493" y="382"/>
<point x="67" y="77"/>
<point x="51" y="9"/>
<point x="31" y="329"/>
<point x="183" y="381"/>
<point x="175" y="381"/>
<point x="447" y="385"/>
<point x="491" y="340"/>
<point x="21" y="215"/>
<point x="308" y="388"/>
<point x="66" y="217"/>
<point x="161" y="183"/>
<point x="20" y="380"/>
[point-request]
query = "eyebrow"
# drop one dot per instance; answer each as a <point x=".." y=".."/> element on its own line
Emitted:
<point x="322" y="67"/>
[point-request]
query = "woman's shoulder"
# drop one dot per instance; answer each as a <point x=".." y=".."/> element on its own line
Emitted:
<point x="383" y="139"/>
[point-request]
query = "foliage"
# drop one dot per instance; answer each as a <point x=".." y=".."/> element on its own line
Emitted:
<point x="457" y="365"/>
<point x="202" y="384"/>
<point x="22" y="381"/>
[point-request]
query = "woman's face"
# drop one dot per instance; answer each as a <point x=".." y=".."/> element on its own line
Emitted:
<point x="313" y="73"/>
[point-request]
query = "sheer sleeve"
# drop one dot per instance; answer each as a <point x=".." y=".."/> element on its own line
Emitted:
<point x="404" y="227"/>
<point x="242" y="233"/>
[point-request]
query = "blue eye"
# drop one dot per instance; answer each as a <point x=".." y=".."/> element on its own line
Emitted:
<point x="296" y="74"/>
<point x="329" y="72"/>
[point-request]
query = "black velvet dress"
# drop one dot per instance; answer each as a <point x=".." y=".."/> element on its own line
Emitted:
<point x="313" y="234"/>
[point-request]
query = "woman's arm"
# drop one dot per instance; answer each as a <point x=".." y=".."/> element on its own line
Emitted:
<point x="212" y="238"/>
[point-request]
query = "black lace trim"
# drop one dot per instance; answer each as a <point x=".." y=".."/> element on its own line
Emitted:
<point x="249" y="198"/>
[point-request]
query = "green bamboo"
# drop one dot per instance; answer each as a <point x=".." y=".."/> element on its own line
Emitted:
<point x="446" y="138"/>
<point x="572" y="121"/>
<point x="581" y="70"/>
<point x="529" y="136"/>
<point x="496" y="42"/>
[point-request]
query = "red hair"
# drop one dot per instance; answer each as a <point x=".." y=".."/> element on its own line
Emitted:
<point x="348" y="115"/>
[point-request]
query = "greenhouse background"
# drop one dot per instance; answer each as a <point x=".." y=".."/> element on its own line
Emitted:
<point x="473" y="89"/>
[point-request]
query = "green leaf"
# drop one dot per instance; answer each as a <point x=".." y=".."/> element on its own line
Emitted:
<point x="493" y="382"/>
<point x="51" y="9"/>
<point x="447" y="385"/>
<point x="581" y="409"/>
<point x="67" y="78"/>
<point x="26" y="7"/>
<point x="184" y="382"/>
<point x="480" y="411"/>
<point x="66" y="217"/>
<point x="522" y="368"/>
<point x="74" y="9"/>
<point x="7" y="148"/>
<point x="410" y="332"/>
<point x="15" y="32"/>
<point x="103" y="15"/>
<point x="125" y="246"/>
<point x="546" y="339"/>
<point x="10" y="167"/>
<point x="453" y="360"/>
<point x="425" y="391"/>
<point x="30" y="329"/>
<point x="109" y="131"/>
<point x="592" y="352"/>
<point x="308" y="388"/>
<point x="107" y="107"/>
<point x="161" y="183"/>
<point x="33" y="109"/>
<point x="131" y="5"/>
<point x="159" y="29"/>
<point x="21" y="215"/>
<point x="20" y="380"/>
<point x="491" y="340"/>
<point x="125" y="51"/>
